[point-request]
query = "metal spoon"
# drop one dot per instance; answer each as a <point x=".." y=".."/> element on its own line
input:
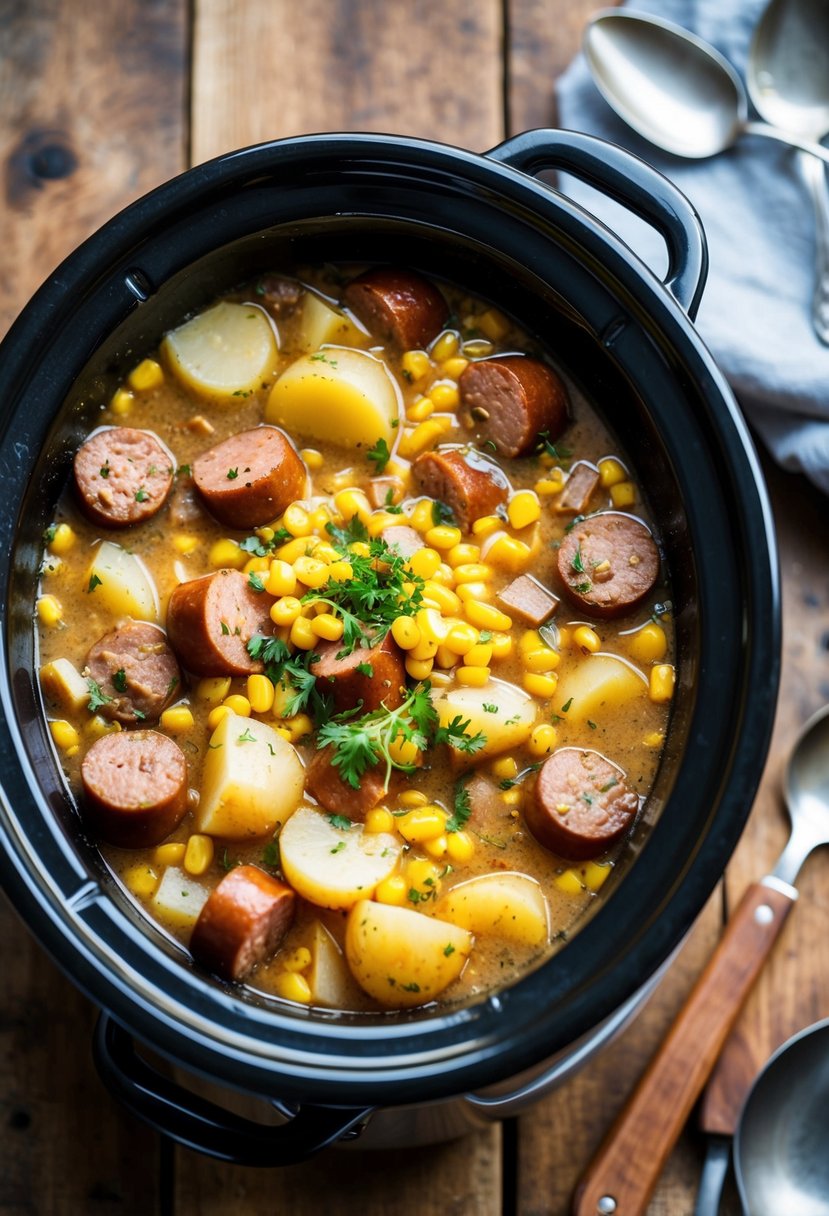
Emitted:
<point x="621" y="1176"/>
<point x="788" y="82"/>
<point x="781" y="1152"/>
<point x="672" y="87"/>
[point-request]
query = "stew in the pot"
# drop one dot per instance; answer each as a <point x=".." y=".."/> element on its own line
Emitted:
<point x="355" y="641"/>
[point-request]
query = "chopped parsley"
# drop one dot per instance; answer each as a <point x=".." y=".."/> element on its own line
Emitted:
<point x="51" y="531"/>
<point x="247" y="737"/>
<point x="141" y="494"/>
<point x="462" y="809"/>
<point x="321" y="357"/>
<point x="270" y="855"/>
<point x="255" y="581"/>
<point x="224" y="628"/>
<point x="232" y="474"/>
<point x="577" y="563"/>
<point x="94" y="582"/>
<point x="489" y="708"/>
<point x="262" y="548"/>
<point x="441" y="513"/>
<point x="565" y="707"/>
<point x="389" y="504"/>
<point x="183" y="470"/>
<point x="119" y="680"/>
<point x="591" y="724"/>
<point x="97" y="697"/>
<point x="340" y="821"/>
<point x="104" y="471"/>
<point x="365" y="669"/>
<point x="379" y="455"/>
<point x="608" y="785"/>
<point x="338" y="847"/>
<point x="448" y="949"/>
<point x="545" y="446"/>
<point x="292" y="672"/>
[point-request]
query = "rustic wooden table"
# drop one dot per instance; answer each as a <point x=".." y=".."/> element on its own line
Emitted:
<point x="99" y="103"/>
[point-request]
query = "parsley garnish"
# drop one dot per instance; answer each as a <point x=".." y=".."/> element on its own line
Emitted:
<point x="380" y="455"/>
<point x="119" y="680"/>
<point x="577" y="519"/>
<point x="577" y="563"/>
<point x="544" y="445"/>
<point x="365" y="669"/>
<point x="462" y="809"/>
<point x="291" y="672"/>
<point x="591" y="724"/>
<point x="488" y="708"/>
<point x="94" y="582"/>
<point x="389" y="504"/>
<point x="320" y="357"/>
<point x="232" y="474"/>
<point x="340" y="821"/>
<point x="247" y="737"/>
<point x="566" y="705"/>
<point x="224" y="628"/>
<point x="183" y="470"/>
<point x="49" y="534"/>
<point x="441" y="513"/>
<point x="255" y="581"/>
<point x="338" y="847"/>
<point x="104" y="471"/>
<point x="448" y="949"/>
<point x="97" y="698"/>
<point x="141" y="494"/>
<point x="608" y="786"/>
<point x="270" y="855"/>
<point x="261" y="548"/>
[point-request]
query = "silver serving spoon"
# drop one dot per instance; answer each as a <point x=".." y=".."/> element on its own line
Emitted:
<point x="781" y="1152"/>
<point x="672" y="87"/>
<point x="788" y="82"/>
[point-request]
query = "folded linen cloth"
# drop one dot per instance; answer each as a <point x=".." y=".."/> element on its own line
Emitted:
<point x="759" y="220"/>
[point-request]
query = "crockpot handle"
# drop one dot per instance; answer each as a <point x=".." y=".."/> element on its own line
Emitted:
<point x="630" y="181"/>
<point x="201" y="1125"/>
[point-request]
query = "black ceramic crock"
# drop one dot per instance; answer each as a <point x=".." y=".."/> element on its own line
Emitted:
<point x="627" y="340"/>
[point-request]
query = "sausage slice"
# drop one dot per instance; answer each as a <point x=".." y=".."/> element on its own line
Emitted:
<point x="211" y="619"/>
<point x="469" y="484"/>
<point x="279" y="294"/>
<point x="580" y="805"/>
<point x="608" y="563"/>
<point x="380" y="682"/>
<point x="122" y="476"/>
<point x="135" y="787"/>
<point x="136" y="669"/>
<point x="397" y="306"/>
<point x="510" y="401"/>
<point x="526" y="597"/>
<point x="242" y="922"/>
<point x="323" y="782"/>
<point x="250" y="478"/>
<point x="403" y="539"/>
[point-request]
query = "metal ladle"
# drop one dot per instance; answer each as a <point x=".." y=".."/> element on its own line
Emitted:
<point x="788" y="82"/>
<point x="672" y="87"/>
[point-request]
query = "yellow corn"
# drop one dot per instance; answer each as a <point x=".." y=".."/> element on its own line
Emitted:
<point x="328" y="627"/>
<point x="444" y="575"/>
<point x="505" y="768"/>
<point x="141" y="879"/>
<point x="473" y="591"/>
<point x="302" y="635"/>
<point x="360" y="549"/>
<point x="493" y="324"/>
<point x="296" y="520"/>
<point x="509" y="553"/>
<point x="459" y="847"/>
<point x="122" y="402"/>
<point x="97" y="726"/>
<point x="146" y="376"/>
<point x="594" y="874"/>
<point x="419" y="669"/>
<point x="62" y="541"/>
<point x="281" y="578"/>
<point x="648" y="644"/>
<point x="213" y="689"/>
<point x="311" y="572"/>
<point x="300" y="546"/>
<point x="540" y="685"/>
<point x="445" y="396"/>
<point x="487" y="617"/>
<point x="261" y="693"/>
<point x="392" y="890"/>
<point x="443" y="536"/>
<point x="473" y="572"/>
<point x="661" y="684"/>
<point x="412" y="798"/>
<point x="49" y="610"/>
<point x="523" y="509"/>
<point x="177" y="720"/>
<point x="198" y="856"/>
<point x="297" y="960"/>
<point x="461" y="638"/>
<point x="286" y="610"/>
<point x="284" y="732"/>
<point x="422" y="874"/>
<point x="654" y="738"/>
<point x="542" y="739"/>
<point x="352" y="502"/>
<point x="501" y="645"/>
<point x="445" y="658"/>
<point x="379" y="819"/>
<point x="256" y="565"/>
<point x="313" y="459"/>
<point x="446" y="600"/>
<point x="415" y="364"/>
<point x="226" y="554"/>
<point x="340" y="571"/>
<point x="547" y="486"/>
<point x="298" y="727"/>
<point x="623" y="494"/>
<point x="422" y="409"/>
<point x="477" y="348"/>
<point x="454" y="366"/>
<point x="184" y="544"/>
<point x="425" y="649"/>
<point x="405" y="632"/>
<point x="530" y="640"/>
<point x="424" y="435"/>
<point x="216" y="714"/>
<point x="64" y="734"/>
<point x="480" y="655"/>
<point x="586" y="639"/>
<point x="292" y="986"/>
<point x="486" y="525"/>
<point x="421" y="519"/>
<point x="403" y="751"/>
<point x="238" y="704"/>
<point x="512" y="797"/>
<point x="445" y="346"/>
<point x="611" y="472"/>
<point x="472" y="677"/>
<point x="569" y="883"/>
<point x="422" y="823"/>
<point x="462" y="554"/>
<point x="432" y="626"/>
<point x="169" y="854"/>
<point x="542" y="660"/>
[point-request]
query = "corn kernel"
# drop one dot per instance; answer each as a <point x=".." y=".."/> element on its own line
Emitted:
<point x="184" y="544"/>
<point x="286" y="610"/>
<point x="169" y="854"/>
<point x="380" y="520"/>
<point x="292" y="986"/>
<point x="486" y="525"/>
<point x="523" y="509"/>
<point x="284" y="732"/>
<point x="445" y="658"/>
<point x="412" y="798"/>
<point x="509" y="553"/>
<point x="261" y="693"/>
<point x="505" y="768"/>
<point x="122" y="402"/>
<point x="328" y="627"/>
<point x="298" y="727"/>
<point x="177" y="720"/>
<point x="311" y="572"/>
<point x="542" y="660"/>
<point x="547" y="486"/>
<point x="62" y="541"/>
<point x="340" y="571"/>
<point x="648" y="644"/>
<point x="424" y="435"/>
<point x="477" y="348"/>
<point x="436" y="847"/>
<point x="542" y="739"/>
<point x="479" y="656"/>
<point x="379" y="819"/>
<point x="463" y="554"/>
<point x="422" y="409"/>
<point x="198" y="855"/>
<point x="512" y="797"/>
<point x="540" y="685"/>
<point x="611" y="472"/>
<point x="459" y="847"/>
<point x="392" y="890"/>
<point x="49" y="610"/>
<point x="569" y="883"/>
<point x="530" y="640"/>
<point x="415" y="364"/>
<point x="445" y="346"/>
<point x="226" y="554"/>
<point x="422" y="823"/>
<point x="300" y="546"/>
<point x="425" y="649"/>
<point x="586" y="639"/>
<point x="461" y="638"/>
<point x="473" y="572"/>
<point x="487" y="617"/>
<point x="213" y="689"/>
<point x="313" y="459"/>
<point x="444" y="575"/>
<point x="422" y="874"/>
<point x="623" y="494"/>
<point x="442" y="537"/>
<point x="281" y="578"/>
<point x="432" y="626"/>
<point x="256" y="565"/>
<point x="302" y="635"/>
<point x="351" y="503"/>
<point x="472" y="677"/>
<point x="216" y="714"/>
<point x="421" y="519"/>
<point x="238" y="704"/>
<point x="98" y="726"/>
<point x="296" y="520"/>
<point x="474" y="591"/>
<point x="360" y="549"/>
<point x="141" y="879"/>
<point x="446" y="600"/>
<point x="594" y="874"/>
<point x="405" y="632"/>
<point x="501" y="645"/>
<point x="454" y="367"/>
<point x="297" y="960"/>
<point x="493" y="324"/>
<point x="146" y="376"/>
<point x="64" y="734"/>
<point x="419" y="669"/>
<point x="661" y="684"/>
<point x="445" y="396"/>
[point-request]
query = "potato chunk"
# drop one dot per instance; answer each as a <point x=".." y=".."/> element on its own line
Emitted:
<point x="510" y="906"/>
<point x="339" y="395"/>
<point x="401" y="957"/>
<point x="120" y="582"/>
<point x="320" y="324"/>
<point x="224" y="353"/>
<point x="252" y="780"/>
<point x="510" y="724"/>
<point x="64" y="685"/>
<point x="334" y="866"/>
<point x="596" y="684"/>
<point x="179" y="899"/>
<point x="330" y="981"/>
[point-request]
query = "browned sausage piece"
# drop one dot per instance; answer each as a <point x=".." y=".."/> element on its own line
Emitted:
<point x="578" y="489"/>
<point x="122" y="476"/>
<point x="608" y="563"/>
<point x="385" y="491"/>
<point x="242" y="923"/>
<point x="469" y="484"/>
<point x="511" y="401"/>
<point x="380" y="682"/>
<point x="403" y="539"/>
<point x="250" y="478"/>
<point x="135" y="787"/>
<point x="323" y="782"/>
<point x="279" y="295"/>
<point x="580" y="805"/>
<point x="135" y="668"/>
<point x="526" y="597"/>
<point x="397" y="306"/>
<point x="211" y="619"/>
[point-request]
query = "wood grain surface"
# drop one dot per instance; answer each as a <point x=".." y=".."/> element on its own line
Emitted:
<point x="98" y="103"/>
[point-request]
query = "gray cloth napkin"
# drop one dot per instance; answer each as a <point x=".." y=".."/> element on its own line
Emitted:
<point x="759" y="220"/>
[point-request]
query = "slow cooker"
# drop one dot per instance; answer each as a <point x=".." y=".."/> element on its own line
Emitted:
<point x="627" y="340"/>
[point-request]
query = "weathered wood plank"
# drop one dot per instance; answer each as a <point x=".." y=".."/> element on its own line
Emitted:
<point x="91" y="116"/>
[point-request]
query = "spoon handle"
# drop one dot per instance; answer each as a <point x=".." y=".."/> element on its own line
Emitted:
<point x="786" y="137"/>
<point x="622" y="1175"/>
<point x="815" y="175"/>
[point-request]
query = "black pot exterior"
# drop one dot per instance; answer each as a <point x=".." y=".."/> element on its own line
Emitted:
<point x="625" y="339"/>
